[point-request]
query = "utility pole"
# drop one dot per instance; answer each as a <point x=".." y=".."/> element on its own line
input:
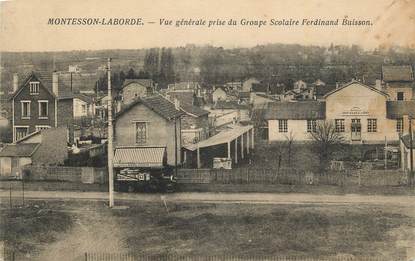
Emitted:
<point x="110" y="134"/>
<point x="411" y="154"/>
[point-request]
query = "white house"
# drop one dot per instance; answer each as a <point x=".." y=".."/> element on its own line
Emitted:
<point x="83" y="106"/>
<point x="218" y="94"/>
<point x="362" y="113"/>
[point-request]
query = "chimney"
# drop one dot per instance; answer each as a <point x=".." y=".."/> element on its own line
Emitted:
<point x="177" y="104"/>
<point x="337" y="85"/>
<point x="55" y="83"/>
<point x="15" y="82"/>
<point x="378" y="84"/>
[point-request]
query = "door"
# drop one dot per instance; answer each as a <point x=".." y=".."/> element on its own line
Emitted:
<point x="356" y="129"/>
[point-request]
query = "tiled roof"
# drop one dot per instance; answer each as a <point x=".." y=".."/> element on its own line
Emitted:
<point x="397" y="109"/>
<point x="355" y="82"/>
<point x="83" y="97"/>
<point x="303" y="110"/>
<point x="139" y="157"/>
<point x="19" y="150"/>
<point x="193" y="110"/>
<point x="396" y="73"/>
<point x="158" y="104"/>
<point x="145" y="82"/>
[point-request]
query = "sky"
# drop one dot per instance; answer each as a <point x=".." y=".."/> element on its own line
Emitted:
<point x="24" y="23"/>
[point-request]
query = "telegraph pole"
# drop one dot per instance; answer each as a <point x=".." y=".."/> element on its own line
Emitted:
<point x="110" y="137"/>
<point x="411" y="154"/>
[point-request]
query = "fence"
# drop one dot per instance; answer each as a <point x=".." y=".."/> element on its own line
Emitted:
<point x="132" y="256"/>
<point x="291" y="177"/>
<point x="87" y="175"/>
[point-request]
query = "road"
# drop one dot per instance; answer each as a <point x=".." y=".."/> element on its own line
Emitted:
<point x="241" y="198"/>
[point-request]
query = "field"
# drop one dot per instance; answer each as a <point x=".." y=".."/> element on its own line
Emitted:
<point x="66" y="230"/>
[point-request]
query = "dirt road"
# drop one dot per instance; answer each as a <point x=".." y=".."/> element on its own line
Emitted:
<point x="242" y="198"/>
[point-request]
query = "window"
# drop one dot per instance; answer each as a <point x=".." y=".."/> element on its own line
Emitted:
<point x="399" y="125"/>
<point x="282" y="125"/>
<point x="25" y="109"/>
<point x="399" y="96"/>
<point x="372" y="125"/>
<point x="43" y="109"/>
<point x="34" y="88"/>
<point x="311" y="126"/>
<point x="42" y="127"/>
<point x="83" y="108"/>
<point x="140" y="132"/>
<point x="339" y="125"/>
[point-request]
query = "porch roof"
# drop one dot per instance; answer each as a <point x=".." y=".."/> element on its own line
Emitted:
<point x="145" y="157"/>
<point x="222" y="137"/>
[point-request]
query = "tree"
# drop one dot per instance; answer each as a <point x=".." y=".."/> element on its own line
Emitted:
<point x="289" y="144"/>
<point x="131" y="74"/>
<point x="326" y="140"/>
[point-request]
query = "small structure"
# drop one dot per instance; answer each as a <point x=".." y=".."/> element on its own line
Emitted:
<point x="149" y="122"/>
<point x="14" y="156"/>
<point x="83" y="106"/>
<point x="194" y="124"/>
<point x="234" y="143"/>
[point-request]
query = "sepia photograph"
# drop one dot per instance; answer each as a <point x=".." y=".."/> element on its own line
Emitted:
<point x="185" y="130"/>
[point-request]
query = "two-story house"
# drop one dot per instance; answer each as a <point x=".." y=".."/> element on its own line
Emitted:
<point x="151" y="124"/>
<point x="38" y="103"/>
<point x="399" y="82"/>
<point x="135" y="88"/>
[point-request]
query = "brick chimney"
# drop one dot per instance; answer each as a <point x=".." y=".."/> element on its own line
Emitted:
<point x="15" y="82"/>
<point x="55" y="83"/>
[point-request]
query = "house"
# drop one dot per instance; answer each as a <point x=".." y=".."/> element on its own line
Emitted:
<point x="224" y="112"/>
<point x="134" y="88"/>
<point x="247" y="84"/>
<point x="219" y="94"/>
<point x="293" y="119"/>
<point x="149" y="124"/>
<point x="194" y="124"/>
<point x="364" y="114"/>
<point x="233" y="86"/>
<point x="83" y="106"/>
<point x="43" y="147"/>
<point x="399" y="82"/>
<point x="194" y="86"/>
<point x="300" y="85"/>
<point x="39" y="103"/>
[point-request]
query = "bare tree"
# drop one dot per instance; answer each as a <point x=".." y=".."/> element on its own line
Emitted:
<point x="289" y="144"/>
<point x="326" y="140"/>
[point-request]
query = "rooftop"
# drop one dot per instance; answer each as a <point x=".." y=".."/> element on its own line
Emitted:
<point x="149" y="83"/>
<point x="397" y="73"/>
<point x="193" y="110"/>
<point x="302" y="110"/>
<point x="19" y="150"/>
<point x="156" y="103"/>
<point x="397" y="109"/>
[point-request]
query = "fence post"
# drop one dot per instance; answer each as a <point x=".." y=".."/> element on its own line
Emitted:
<point x="359" y="179"/>
<point x="86" y="256"/>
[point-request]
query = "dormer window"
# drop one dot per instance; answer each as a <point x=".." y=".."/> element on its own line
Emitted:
<point x="34" y="88"/>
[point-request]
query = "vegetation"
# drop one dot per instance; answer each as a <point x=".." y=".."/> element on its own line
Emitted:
<point x="326" y="141"/>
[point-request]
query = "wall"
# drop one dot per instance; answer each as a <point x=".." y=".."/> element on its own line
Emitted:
<point x="366" y="100"/>
<point x="65" y="116"/>
<point x="298" y="128"/>
<point x="160" y="132"/>
<point x="132" y="91"/>
<point x="53" y="148"/>
<point x="393" y="88"/>
<point x="34" y="108"/>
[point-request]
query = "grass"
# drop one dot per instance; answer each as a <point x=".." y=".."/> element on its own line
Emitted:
<point x="212" y="229"/>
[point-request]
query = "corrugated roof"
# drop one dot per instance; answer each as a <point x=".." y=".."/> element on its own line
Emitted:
<point x="19" y="150"/>
<point x="222" y="137"/>
<point x="302" y="110"/>
<point x="397" y="109"/>
<point x="139" y="157"/>
<point x="397" y="73"/>
<point x="158" y="104"/>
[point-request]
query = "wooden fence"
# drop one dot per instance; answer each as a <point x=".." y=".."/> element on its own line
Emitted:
<point x="132" y="256"/>
<point x="87" y="175"/>
<point x="291" y="177"/>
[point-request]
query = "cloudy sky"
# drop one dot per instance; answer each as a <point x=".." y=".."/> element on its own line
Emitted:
<point x="24" y="23"/>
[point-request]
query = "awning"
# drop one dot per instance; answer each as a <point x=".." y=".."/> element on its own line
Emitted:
<point x="144" y="157"/>
<point x="222" y="137"/>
